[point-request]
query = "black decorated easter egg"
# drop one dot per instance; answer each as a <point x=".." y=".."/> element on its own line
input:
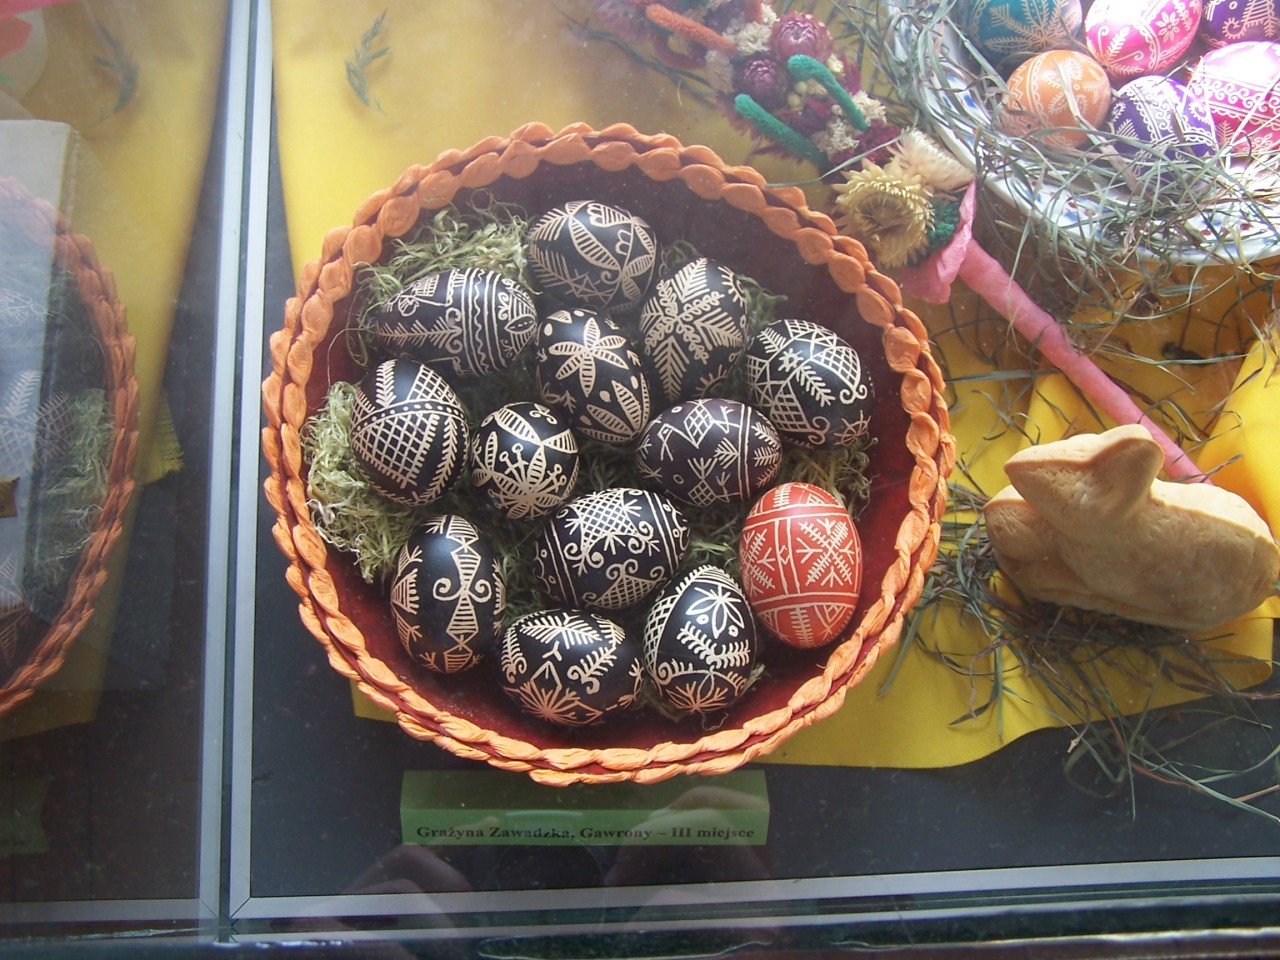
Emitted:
<point x="585" y="366"/>
<point x="810" y="383"/>
<point x="693" y="327"/>
<point x="409" y="431"/>
<point x="448" y="595"/>
<point x="524" y="459"/>
<point x="462" y="323"/>
<point x="569" y="667"/>
<point x="609" y="549"/>
<point x="592" y="255"/>
<point x="700" y="642"/>
<point x="710" y="451"/>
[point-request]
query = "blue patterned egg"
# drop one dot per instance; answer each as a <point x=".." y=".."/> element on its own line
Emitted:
<point x="1009" y="31"/>
<point x="448" y="596"/>
<point x="569" y="667"/>
<point x="700" y="642"/>
<point x="592" y="255"/>
<point x="461" y="323"/>
<point x="409" y="432"/>
<point x="610" y="549"/>
<point x="810" y="383"/>
<point x="524" y="459"/>
<point x="710" y="451"/>
<point x="587" y="368"/>
<point x="693" y="328"/>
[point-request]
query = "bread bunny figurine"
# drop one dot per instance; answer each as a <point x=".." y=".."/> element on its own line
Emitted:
<point x="1086" y="523"/>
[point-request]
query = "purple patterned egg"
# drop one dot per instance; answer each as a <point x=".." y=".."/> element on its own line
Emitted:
<point x="569" y="667"/>
<point x="693" y="328"/>
<point x="610" y="549"/>
<point x="1160" y="112"/>
<point x="448" y="596"/>
<point x="710" y="451"/>
<point x="409" y="432"/>
<point x="587" y="368"/>
<point x="700" y="642"/>
<point x="1241" y="84"/>
<point x="464" y="323"/>
<point x="1233" y="21"/>
<point x="810" y="383"/>
<point x="592" y="255"/>
<point x="524" y="459"/>
<point x="1134" y="37"/>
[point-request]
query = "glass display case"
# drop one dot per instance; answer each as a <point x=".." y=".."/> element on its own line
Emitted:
<point x="221" y="728"/>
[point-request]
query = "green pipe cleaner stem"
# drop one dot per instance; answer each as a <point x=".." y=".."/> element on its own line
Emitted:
<point x="777" y="131"/>
<point x="804" y="67"/>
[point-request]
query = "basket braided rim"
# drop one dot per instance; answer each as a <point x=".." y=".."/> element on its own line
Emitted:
<point x="391" y="213"/>
<point x="74" y="253"/>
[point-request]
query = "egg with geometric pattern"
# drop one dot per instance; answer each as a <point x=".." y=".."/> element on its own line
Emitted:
<point x="524" y="459"/>
<point x="700" y="642"/>
<point x="448" y="595"/>
<point x="810" y="383"/>
<point x="569" y="667"/>
<point x="409" y="431"/>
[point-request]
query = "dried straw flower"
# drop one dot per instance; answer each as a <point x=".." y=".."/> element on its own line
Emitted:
<point x="916" y="154"/>
<point x="887" y="212"/>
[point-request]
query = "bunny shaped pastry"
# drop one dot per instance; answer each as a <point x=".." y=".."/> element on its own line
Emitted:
<point x="1087" y="524"/>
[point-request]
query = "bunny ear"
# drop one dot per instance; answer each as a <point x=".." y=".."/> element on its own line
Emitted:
<point x="1086" y="479"/>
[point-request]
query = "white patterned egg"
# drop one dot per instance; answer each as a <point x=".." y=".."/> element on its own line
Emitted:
<point x="700" y="642"/>
<point x="448" y="595"/>
<point x="569" y="667"/>
<point x="524" y="459"/>
<point x="409" y="432"/>
<point x="693" y="328"/>
<point x="462" y="323"/>
<point x="587" y="368"/>
<point x="610" y="549"/>
<point x="592" y="255"/>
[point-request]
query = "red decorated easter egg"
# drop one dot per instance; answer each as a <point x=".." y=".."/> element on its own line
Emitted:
<point x="1059" y="92"/>
<point x="1241" y="83"/>
<point x="1132" y="38"/>
<point x="800" y="559"/>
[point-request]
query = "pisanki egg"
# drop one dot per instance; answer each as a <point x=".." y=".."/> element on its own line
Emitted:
<point x="448" y="595"/>
<point x="1053" y="94"/>
<point x="610" y="549"/>
<point x="801" y="562"/>
<point x="700" y="642"/>
<point x="1233" y="21"/>
<point x="810" y="383"/>
<point x="409" y="431"/>
<point x="1165" y="120"/>
<point x="693" y="327"/>
<point x="1241" y="84"/>
<point x="569" y="667"/>
<point x="1009" y="31"/>
<point x="462" y="323"/>
<point x="585" y="366"/>
<point x="592" y="255"/>
<point x="524" y="459"/>
<point x="710" y="451"/>
<point x="1135" y="37"/>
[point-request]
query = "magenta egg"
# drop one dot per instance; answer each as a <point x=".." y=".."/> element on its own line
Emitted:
<point x="1241" y="84"/>
<point x="1135" y="37"/>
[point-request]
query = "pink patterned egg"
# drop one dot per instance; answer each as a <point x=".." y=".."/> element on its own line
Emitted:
<point x="1231" y="21"/>
<point x="1056" y="89"/>
<point x="801" y="564"/>
<point x="1134" y="37"/>
<point x="1241" y="83"/>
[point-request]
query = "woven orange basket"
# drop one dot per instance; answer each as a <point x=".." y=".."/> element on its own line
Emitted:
<point x="727" y="213"/>
<point x="39" y="230"/>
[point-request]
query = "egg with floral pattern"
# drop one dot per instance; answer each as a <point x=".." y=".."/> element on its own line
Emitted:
<point x="1009" y="31"/>
<point x="810" y="382"/>
<point x="1131" y="38"/>
<point x="448" y="595"/>
<point x="1156" y="119"/>
<point x="409" y="432"/>
<point x="801" y="562"/>
<point x="569" y="667"/>
<point x="700" y="643"/>
<point x="592" y="255"/>
<point x="1055" y="96"/>
<point x="610" y="549"/>
<point x="461" y="323"/>
<point x="586" y="367"/>
<point x="524" y="459"/>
